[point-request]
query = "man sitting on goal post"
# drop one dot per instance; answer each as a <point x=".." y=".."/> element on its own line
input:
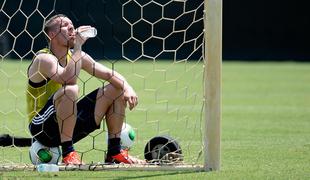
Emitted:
<point x="56" y="115"/>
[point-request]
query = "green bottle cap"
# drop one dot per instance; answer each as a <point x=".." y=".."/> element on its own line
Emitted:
<point x="45" y="155"/>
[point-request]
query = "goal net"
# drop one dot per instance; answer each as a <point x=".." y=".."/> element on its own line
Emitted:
<point x="157" y="45"/>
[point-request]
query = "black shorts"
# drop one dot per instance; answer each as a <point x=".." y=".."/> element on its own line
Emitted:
<point x="44" y="126"/>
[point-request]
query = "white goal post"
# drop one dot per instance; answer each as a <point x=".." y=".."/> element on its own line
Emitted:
<point x="213" y="75"/>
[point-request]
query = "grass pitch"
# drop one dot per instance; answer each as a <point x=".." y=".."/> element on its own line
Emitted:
<point x="265" y="124"/>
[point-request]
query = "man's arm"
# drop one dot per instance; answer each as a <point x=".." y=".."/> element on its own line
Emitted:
<point x="49" y="67"/>
<point x="117" y="80"/>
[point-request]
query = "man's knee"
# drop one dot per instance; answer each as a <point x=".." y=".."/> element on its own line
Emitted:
<point x="113" y="93"/>
<point x="70" y="92"/>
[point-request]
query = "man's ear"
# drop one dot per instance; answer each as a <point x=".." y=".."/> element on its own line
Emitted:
<point x="51" y="34"/>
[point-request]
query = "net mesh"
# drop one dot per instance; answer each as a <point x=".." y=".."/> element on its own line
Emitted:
<point x="156" y="44"/>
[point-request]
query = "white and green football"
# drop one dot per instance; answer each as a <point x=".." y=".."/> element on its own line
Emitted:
<point x="42" y="154"/>
<point x="128" y="136"/>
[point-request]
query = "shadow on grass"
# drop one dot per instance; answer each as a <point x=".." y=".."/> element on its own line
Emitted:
<point x="158" y="174"/>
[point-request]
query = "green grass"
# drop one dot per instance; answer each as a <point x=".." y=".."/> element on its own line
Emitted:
<point x="265" y="124"/>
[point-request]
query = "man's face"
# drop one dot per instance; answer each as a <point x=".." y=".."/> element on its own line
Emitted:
<point x="64" y="32"/>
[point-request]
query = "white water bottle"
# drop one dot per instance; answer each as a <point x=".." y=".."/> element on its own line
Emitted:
<point x="47" y="168"/>
<point x="89" y="33"/>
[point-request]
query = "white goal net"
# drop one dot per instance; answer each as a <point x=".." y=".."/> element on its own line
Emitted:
<point x="157" y="45"/>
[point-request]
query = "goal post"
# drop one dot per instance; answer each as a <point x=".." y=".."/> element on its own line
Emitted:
<point x="213" y="74"/>
<point x="170" y="51"/>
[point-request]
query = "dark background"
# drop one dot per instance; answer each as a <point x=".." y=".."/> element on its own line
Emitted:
<point x="252" y="30"/>
<point x="266" y="30"/>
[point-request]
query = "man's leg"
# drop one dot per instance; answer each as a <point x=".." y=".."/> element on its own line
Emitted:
<point x="111" y="104"/>
<point x="65" y="103"/>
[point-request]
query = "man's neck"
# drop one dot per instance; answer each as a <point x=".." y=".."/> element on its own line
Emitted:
<point x="60" y="53"/>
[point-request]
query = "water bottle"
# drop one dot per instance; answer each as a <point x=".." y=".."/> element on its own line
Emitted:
<point x="89" y="33"/>
<point x="47" y="168"/>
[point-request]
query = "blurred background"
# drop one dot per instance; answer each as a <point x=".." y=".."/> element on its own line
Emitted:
<point x="123" y="26"/>
<point x="252" y="30"/>
<point x="266" y="30"/>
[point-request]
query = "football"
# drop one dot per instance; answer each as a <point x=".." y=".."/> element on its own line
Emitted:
<point x="128" y="136"/>
<point x="41" y="154"/>
<point x="163" y="149"/>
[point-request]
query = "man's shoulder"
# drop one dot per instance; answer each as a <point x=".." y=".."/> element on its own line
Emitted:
<point x="44" y="54"/>
<point x="44" y="50"/>
<point x="43" y="60"/>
